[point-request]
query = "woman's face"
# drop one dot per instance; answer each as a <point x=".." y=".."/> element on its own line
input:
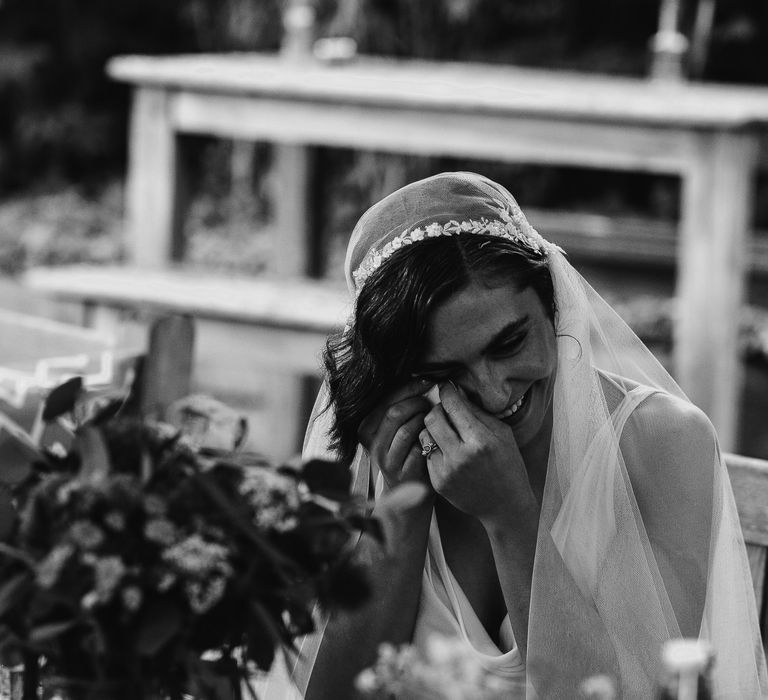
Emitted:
<point x="498" y="345"/>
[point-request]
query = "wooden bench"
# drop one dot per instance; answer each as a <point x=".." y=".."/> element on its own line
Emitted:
<point x="257" y="337"/>
<point x="749" y="478"/>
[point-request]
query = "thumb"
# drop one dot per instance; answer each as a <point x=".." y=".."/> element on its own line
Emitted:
<point x="403" y="497"/>
<point x="399" y="509"/>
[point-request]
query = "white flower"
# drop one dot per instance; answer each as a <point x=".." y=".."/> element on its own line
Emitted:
<point x="598" y="687"/>
<point x="108" y="572"/>
<point x="198" y="557"/>
<point x="132" y="598"/>
<point x="116" y="520"/>
<point x="274" y="497"/>
<point x="85" y="534"/>
<point x="418" y="233"/>
<point x="203" y="595"/>
<point x="154" y="505"/>
<point x="366" y="681"/>
<point x="160" y="530"/>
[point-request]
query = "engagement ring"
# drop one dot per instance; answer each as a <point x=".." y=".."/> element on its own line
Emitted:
<point x="429" y="448"/>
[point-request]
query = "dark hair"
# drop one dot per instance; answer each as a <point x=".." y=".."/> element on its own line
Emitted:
<point x="380" y="349"/>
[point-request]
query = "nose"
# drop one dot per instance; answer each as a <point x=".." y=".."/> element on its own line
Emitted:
<point x="489" y="386"/>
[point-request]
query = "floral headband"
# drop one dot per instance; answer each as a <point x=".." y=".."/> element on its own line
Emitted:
<point x="508" y="226"/>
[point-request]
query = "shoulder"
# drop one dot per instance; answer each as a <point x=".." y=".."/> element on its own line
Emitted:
<point x="663" y="420"/>
<point x="670" y="450"/>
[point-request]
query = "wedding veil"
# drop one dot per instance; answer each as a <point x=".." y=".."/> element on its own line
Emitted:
<point x="636" y="487"/>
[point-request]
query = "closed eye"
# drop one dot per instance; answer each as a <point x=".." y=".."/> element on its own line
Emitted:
<point x="434" y="378"/>
<point x="509" y="346"/>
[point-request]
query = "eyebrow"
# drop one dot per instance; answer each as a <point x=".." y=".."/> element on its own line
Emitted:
<point x="509" y="329"/>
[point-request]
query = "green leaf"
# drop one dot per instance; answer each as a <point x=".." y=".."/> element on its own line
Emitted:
<point x="94" y="457"/>
<point x="12" y="592"/>
<point x="17" y="452"/>
<point x="331" y="479"/>
<point x="62" y="399"/>
<point x="160" y="622"/>
<point x="8" y="514"/>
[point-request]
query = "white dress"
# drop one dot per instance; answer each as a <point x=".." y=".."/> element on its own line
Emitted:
<point x="446" y="611"/>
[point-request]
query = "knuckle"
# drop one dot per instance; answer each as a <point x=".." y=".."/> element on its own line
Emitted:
<point x="395" y="413"/>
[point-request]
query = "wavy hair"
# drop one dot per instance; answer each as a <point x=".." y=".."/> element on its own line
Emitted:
<point x="388" y="333"/>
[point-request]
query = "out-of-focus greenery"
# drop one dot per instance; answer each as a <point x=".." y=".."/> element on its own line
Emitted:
<point x="61" y="116"/>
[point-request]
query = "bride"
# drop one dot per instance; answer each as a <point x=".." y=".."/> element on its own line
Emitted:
<point x="566" y="509"/>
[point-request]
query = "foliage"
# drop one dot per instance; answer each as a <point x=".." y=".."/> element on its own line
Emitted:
<point x="143" y="554"/>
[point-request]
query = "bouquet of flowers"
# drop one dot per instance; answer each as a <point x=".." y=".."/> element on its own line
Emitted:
<point x="447" y="670"/>
<point x="145" y="559"/>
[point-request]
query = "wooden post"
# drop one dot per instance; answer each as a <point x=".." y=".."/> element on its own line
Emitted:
<point x="168" y="365"/>
<point x="154" y="191"/>
<point x="717" y="203"/>
<point x="669" y="45"/>
<point x="292" y="227"/>
<point x="291" y="165"/>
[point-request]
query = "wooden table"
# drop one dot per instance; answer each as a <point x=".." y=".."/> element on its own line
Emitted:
<point x="709" y="136"/>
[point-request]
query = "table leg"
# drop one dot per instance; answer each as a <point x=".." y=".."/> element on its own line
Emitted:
<point x="155" y="201"/>
<point x="716" y="208"/>
<point x="292" y="172"/>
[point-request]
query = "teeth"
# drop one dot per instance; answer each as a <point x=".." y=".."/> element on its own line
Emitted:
<point x="512" y="409"/>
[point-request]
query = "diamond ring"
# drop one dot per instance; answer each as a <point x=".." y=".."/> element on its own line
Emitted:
<point x="429" y="448"/>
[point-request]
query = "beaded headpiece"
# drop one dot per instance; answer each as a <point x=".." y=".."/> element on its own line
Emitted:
<point x="507" y="226"/>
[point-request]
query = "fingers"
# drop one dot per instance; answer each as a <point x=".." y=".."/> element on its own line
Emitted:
<point x="390" y="414"/>
<point x="463" y="413"/>
<point x="440" y="429"/>
<point x="405" y="438"/>
<point x="428" y="443"/>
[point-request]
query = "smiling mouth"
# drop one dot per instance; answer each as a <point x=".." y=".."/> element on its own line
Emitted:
<point x="514" y="408"/>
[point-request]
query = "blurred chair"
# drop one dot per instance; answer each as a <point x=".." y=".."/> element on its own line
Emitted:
<point x="749" y="477"/>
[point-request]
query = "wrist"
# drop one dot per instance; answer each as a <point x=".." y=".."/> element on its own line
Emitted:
<point x="513" y="521"/>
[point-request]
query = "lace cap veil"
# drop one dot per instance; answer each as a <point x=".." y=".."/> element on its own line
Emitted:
<point x="617" y="501"/>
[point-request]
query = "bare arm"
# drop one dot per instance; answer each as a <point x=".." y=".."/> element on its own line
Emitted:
<point x="352" y="640"/>
<point x="674" y="448"/>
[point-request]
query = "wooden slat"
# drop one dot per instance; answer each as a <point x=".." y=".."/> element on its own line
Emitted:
<point x="434" y="131"/>
<point x="283" y="303"/>
<point x="155" y="190"/>
<point x="636" y="239"/>
<point x="468" y="87"/>
<point x="749" y="478"/>
<point x="711" y="279"/>
<point x="167" y="368"/>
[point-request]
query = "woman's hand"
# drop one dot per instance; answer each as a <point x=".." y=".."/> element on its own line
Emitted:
<point x="478" y="467"/>
<point x="390" y="434"/>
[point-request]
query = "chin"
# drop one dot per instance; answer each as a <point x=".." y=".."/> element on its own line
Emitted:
<point x="528" y="422"/>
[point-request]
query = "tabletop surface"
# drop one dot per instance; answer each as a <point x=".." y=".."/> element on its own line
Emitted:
<point x="458" y="87"/>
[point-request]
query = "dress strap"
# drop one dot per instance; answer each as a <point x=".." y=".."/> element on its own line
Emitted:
<point x="628" y="404"/>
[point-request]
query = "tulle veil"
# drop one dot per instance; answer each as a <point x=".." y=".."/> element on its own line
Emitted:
<point x="603" y="479"/>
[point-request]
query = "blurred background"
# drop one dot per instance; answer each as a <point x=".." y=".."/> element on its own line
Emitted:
<point x="64" y="127"/>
